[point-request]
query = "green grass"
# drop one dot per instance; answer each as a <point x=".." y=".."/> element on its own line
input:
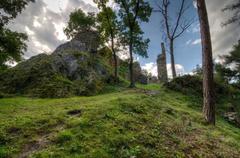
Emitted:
<point x="121" y="124"/>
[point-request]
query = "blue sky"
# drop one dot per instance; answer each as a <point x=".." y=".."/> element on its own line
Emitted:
<point x="187" y="53"/>
<point x="45" y="20"/>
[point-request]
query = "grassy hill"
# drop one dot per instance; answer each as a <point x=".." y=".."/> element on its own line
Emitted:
<point x="139" y="123"/>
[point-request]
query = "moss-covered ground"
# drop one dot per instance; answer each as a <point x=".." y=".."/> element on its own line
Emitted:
<point x="138" y="123"/>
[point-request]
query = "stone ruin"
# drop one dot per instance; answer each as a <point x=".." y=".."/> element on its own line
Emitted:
<point x="162" y="66"/>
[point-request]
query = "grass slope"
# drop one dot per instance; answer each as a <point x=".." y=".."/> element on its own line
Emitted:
<point x="128" y="123"/>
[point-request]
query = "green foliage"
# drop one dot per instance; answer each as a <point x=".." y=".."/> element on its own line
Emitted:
<point x="192" y="85"/>
<point x="225" y="75"/>
<point x="106" y="53"/>
<point x="132" y="13"/>
<point x="38" y="77"/>
<point x="234" y="57"/>
<point x="55" y="87"/>
<point x="64" y="137"/>
<point x="11" y="8"/>
<point x="108" y="25"/>
<point x="79" y="22"/>
<point x="229" y="72"/>
<point x="12" y="46"/>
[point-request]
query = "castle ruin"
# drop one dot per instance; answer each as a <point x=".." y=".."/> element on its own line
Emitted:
<point x="162" y="66"/>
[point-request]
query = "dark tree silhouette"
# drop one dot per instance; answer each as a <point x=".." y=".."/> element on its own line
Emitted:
<point x="235" y="8"/>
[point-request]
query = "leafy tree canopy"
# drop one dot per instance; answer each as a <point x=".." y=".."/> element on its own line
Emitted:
<point x="80" y="22"/>
<point x="12" y="44"/>
<point x="234" y="56"/>
<point x="132" y="13"/>
<point x="9" y="9"/>
<point x="107" y="20"/>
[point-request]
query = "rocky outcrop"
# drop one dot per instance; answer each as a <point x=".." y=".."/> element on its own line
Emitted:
<point x="84" y="41"/>
<point x="69" y="70"/>
<point x="162" y="66"/>
<point x="138" y="74"/>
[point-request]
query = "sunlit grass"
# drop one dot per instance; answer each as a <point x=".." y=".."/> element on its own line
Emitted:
<point x="123" y="123"/>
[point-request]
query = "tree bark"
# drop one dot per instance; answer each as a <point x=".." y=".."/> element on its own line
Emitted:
<point x="174" y="74"/>
<point x="132" y="82"/>
<point x="208" y="82"/>
<point x="115" y="62"/>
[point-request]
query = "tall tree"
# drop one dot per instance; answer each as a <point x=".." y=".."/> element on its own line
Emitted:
<point x="12" y="44"/>
<point x="174" y="28"/>
<point x="108" y="28"/>
<point x="235" y="8"/>
<point x="79" y="22"/>
<point x="208" y="83"/>
<point x="131" y="13"/>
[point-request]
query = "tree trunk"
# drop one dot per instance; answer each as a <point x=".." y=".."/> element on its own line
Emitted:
<point x="208" y="83"/>
<point x="115" y="62"/>
<point x="174" y="74"/>
<point x="132" y="82"/>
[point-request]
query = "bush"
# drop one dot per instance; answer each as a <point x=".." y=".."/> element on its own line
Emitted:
<point x="56" y="87"/>
<point x="192" y="85"/>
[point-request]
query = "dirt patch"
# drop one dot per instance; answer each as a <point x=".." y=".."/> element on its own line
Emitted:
<point x="40" y="143"/>
<point x="74" y="112"/>
<point x="148" y="92"/>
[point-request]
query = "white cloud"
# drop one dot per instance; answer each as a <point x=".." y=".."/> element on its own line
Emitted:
<point x="196" y="28"/>
<point x="188" y="42"/>
<point x="195" y="42"/>
<point x="29" y="32"/>
<point x="152" y="68"/>
<point x="195" y="3"/>
<point x="44" y="22"/>
<point x="59" y="31"/>
<point x="36" y="23"/>
<point x="222" y="37"/>
<point x="179" y="70"/>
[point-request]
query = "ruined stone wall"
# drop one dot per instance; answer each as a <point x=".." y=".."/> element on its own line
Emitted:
<point x="162" y="66"/>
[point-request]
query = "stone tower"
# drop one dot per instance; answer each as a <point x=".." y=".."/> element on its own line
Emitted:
<point x="162" y="66"/>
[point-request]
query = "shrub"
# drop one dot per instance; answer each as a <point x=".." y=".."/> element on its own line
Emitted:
<point x="56" y="87"/>
<point x="192" y="85"/>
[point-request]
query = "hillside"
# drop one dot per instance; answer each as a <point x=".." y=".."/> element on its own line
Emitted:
<point x="139" y="123"/>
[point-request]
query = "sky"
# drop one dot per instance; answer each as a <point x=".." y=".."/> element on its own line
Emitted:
<point x="45" y="20"/>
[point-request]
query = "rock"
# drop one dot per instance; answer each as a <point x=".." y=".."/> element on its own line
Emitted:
<point x="138" y="74"/>
<point x="153" y="79"/>
<point x="69" y="70"/>
<point x="233" y="118"/>
<point x="85" y="42"/>
<point x="162" y="66"/>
